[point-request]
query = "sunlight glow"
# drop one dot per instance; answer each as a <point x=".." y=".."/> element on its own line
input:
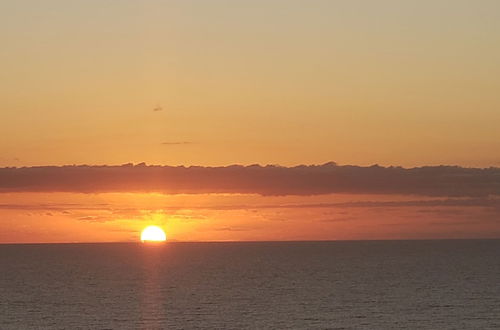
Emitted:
<point x="153" y="234"/>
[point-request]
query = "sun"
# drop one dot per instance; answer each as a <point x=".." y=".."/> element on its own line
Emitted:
<point x="153" y="234"/>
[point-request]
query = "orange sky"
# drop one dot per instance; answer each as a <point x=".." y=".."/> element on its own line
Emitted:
<point x="214" y="83"/>
<point x="72" y="217"/>
<point x="271" y="82"/>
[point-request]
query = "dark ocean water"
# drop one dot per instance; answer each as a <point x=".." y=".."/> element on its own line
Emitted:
<point x="299" y="285"/>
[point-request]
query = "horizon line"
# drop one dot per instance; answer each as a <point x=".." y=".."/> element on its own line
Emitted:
<point x="263" y="241"/>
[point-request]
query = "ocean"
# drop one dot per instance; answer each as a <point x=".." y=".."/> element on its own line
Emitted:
<point x="435" y="284"/>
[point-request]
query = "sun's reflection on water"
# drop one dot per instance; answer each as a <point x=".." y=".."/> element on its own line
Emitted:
<point x="153" y="312"/>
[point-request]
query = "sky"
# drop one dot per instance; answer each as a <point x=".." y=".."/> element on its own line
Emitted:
<point x="216" y="83"/>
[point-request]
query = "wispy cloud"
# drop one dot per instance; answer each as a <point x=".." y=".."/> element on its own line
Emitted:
<point x="94" y="218"/>
<point x="176" y="143"/>
<point x="449" y="206"/>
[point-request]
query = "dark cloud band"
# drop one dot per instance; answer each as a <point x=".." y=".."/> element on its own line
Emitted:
<point x="450" y="181"/>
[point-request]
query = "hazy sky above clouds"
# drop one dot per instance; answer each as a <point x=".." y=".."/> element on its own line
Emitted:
<point x="283" y="82"/>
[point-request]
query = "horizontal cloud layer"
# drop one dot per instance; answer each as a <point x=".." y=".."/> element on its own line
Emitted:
<point x="429" y="205"/>
<point x="452" y="181"/>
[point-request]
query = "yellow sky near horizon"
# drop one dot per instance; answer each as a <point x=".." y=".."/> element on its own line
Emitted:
<point x="281" y="82"/>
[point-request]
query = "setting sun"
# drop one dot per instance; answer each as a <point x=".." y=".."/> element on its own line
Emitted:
<point x="153" y="234"/>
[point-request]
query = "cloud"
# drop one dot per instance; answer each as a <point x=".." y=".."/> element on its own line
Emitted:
<point x="430" y="206"/>
<point x="94" y="218"/>
<point x="340" y="219"/>
<point x="177" y="143"/>
<point x="235" y="228"/>
<point x="445" y="181"/>
<point x="63" y="207"/>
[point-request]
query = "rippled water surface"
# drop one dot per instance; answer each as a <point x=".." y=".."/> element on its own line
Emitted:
<point x="301" y="285"/>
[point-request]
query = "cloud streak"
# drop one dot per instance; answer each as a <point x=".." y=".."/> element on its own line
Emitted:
<point x="445" y="181"/>
<point x="488" y="203"/>
<point x="177" y="143"/>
